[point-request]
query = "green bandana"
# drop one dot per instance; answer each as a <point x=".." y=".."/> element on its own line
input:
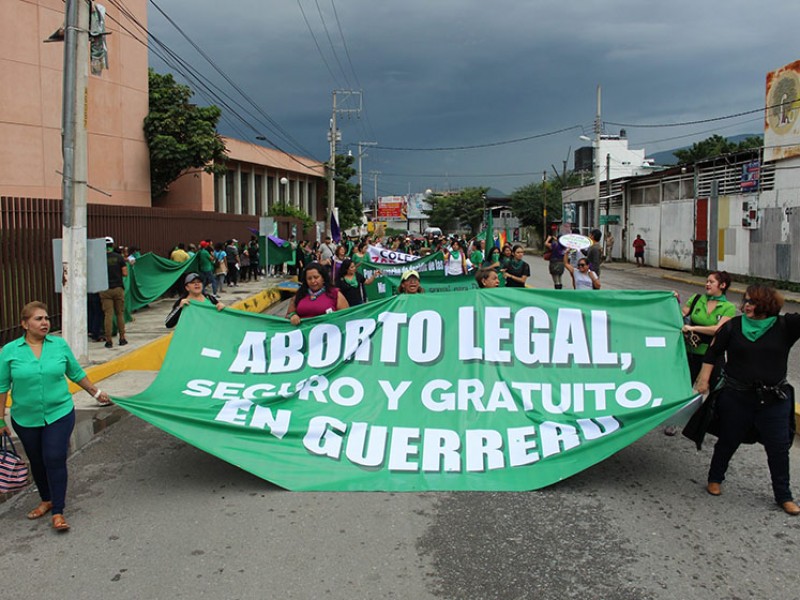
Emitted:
<point x="753" y="329"/>
<point x="720" y="298"/>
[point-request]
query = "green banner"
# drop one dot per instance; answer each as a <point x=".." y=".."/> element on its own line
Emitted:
<point x="151" y="276"/>
<point x="433" y="263"/>
<point x="503" y="389"/>
<point x="279" y="255"/>
<point x="386" y="286"/>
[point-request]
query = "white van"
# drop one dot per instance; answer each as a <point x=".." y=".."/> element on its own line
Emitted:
<point x="434" y="231"/>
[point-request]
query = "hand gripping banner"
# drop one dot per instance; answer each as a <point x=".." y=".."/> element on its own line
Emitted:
<point x="502" y="389"/>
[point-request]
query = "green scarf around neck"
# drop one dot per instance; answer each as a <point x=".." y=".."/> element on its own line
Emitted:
<point x="753" y="329"/>
<point x="720" y="298"/>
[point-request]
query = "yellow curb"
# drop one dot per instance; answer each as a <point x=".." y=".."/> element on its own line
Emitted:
<point x="151" y="356"/>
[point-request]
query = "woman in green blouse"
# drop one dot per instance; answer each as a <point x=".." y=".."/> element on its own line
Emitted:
<point x="704" y="315"/>
<point x="34" y="367"/>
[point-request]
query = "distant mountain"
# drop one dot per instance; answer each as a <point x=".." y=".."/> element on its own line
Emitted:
<point x="667" y="158"/>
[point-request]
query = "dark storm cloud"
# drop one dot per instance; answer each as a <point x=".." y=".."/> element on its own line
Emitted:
<point x="463" y="72"/>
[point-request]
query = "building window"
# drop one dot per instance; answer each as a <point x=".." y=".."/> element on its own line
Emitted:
<point x="229" y="191"/>
<point x="259" y="195"/>
<point x="245" y="187"/>
<point x="270" y="193"/>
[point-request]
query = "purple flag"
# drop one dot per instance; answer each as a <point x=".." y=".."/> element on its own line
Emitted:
<point x="336" y="233"/>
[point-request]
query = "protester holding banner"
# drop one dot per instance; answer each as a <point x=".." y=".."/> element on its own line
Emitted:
<point x="352" y="284"/>
<point x="755" y="394"/>
<point x="455" y="259"/>
<point x="703" y="315"/>
<point x="517" y="271"/>
<point x="583" y="278"/>
<point x="409" y="284"/>
<point x="34" y="367"/>
<point x="193" y="283"/>
<point x="316" y="295"/>
<point x="487" y="278"/>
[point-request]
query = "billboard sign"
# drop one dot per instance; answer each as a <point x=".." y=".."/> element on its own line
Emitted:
<point x="782" y="122"/>
<point x="392" y="208"/>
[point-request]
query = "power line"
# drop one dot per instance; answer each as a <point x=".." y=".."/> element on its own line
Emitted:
<point x="225" y="76"/>
<point x="344" y="43"/>
<point x="330" y="43"/>
<point x="319" y="49"/>
<point x="203" y="85"/>
<point x="698" y="122"/>
<point x="487" y="145"/>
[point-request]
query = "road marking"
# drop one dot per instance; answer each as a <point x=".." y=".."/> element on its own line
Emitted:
<point x="655" y="342"/>
<point x="211" y="353"/>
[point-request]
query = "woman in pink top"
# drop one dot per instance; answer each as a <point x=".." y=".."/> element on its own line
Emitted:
<point x="316" y="295"/>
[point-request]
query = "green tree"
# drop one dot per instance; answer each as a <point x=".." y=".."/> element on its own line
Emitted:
<point x="460" y="209"/>
<point x="715" y="145"/>
<point x="180" y="135"/>
<point x="527" y="202"/>
<point x="351" y="212"/>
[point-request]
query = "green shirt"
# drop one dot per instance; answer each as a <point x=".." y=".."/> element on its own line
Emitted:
<point x="41" y="393"/>
<point x="206" y="261"/>
<point x="700" y="316"/>
<point x="476" y="258"/>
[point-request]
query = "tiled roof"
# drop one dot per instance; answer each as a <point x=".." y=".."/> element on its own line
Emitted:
<point x="259" y="155"/>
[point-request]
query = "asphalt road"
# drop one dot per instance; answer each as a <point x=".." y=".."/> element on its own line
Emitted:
<point x="155" y="518"/>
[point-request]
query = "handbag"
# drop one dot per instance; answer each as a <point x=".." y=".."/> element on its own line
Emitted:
<point x="547" y="255"/>
<point x="692" y="338"/>
<point x="13" y="470"/>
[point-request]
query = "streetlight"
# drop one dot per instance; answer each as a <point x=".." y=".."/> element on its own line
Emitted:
<point x="285" y="184"/>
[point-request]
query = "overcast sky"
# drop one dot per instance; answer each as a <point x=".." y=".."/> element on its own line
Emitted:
<point x="453" y="73"/>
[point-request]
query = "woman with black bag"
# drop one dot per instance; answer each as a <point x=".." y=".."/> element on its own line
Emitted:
<point x="703" y="315"/>
<point x="755" y="394"/>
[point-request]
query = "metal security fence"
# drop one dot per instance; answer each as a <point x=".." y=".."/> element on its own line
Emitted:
<point x="28" y="226"/>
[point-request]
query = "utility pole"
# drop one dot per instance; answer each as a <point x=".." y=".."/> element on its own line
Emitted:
<point x="74" y="149"/>
<point x="361" y="154"/>
<point x="544" y="206"/>
<point x="334" y="136"/>
<point x="374" y="175"/>
<point x="608" y="193"/>
<point x="596" y="163"/>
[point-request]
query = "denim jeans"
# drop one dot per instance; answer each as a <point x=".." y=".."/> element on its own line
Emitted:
<point x="47" y="448"/>
<point x="740" y="411"/>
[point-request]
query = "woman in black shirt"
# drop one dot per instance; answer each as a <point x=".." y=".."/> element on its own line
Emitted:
<point x="755" y="394"/>
<point x="351" y="283"/>
<point x="517" y="271"/>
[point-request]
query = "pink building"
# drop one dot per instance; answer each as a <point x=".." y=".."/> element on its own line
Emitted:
<point x="252" y="183"/>
<point x="30" y="126"/>
<point x="30" y="107"/>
